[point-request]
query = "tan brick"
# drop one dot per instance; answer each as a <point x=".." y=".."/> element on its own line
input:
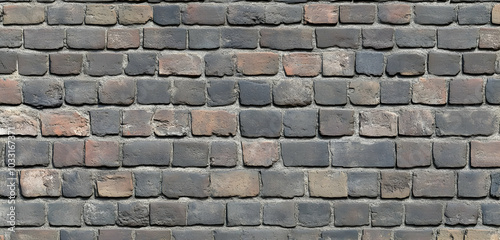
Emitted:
<point x="485" y="154"/>
<point x="123" y="38"/>
<point x="431" y="91"/>
<point x="117" y="184"/>
<point x="40" y="183"/>
<point x="134" y="14"/>
<point x="98" y="14"/>
<point x="238" y="183"/>
<point x="450" y="234"/>
<point x="10" y="92"/>
<point x="321" y="14"/>
<point x="327" y="184"/>
<point x="20" y="122"/>
<point x="338" y="63"/>
<point x="137" y="123"/>
<point x="378" y="123"/>
<point x="171" y="122"/>
<point x="32" y="234"/>
<point x="257" y="63"/>
<point x="68" y="153"/>
<point x="495" y="14"/>
<point x="64" y="123"/>
<point x="207" y="123"/>
<point x="180" y="64"/>
<point x="260" y="154"/>
<point x="483" y="234"/>
<point x="22" y="14"/>
<point x="102" y="153"/>
<point x="302" y="64"/>
<point x="395" y="185"/>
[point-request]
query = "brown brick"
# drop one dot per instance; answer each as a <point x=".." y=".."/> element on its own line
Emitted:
<point x="64" y="123"/>
<point x="180" y="64"/>
<point x="365" y="92"/>
<point x="450" y="234"/>
<point x="328" y="184"/>
<point x="414" y="154"/>
<point x="117" y="91"/>
<point x="416" y="122"/>
<point x="476" y="234"/>
<point x="430" y="91"/>
<point x="378" y="123"/>
<point x="395" y="185"/>
<point x="123" y="38"/>
<point x="207" y="123"/>
<point x="137" y="123"/>
<point x="10" y="92"/>
<point x="68" y="154"/>
<point x="257" y="63"/>
<point x="302" y="64"/>
<point x="134" y="14"/>
<point x="433" y="184"/>
<point x="394" y="13"/>
<point x="100" y="14"/>
<point x="25" y="123"/>
<point x="40" y="183"/>
<point x="238" y="183"/>
<point x="204" y="14"/>
<point x="31" y="234"/>
<point x="102" y="153"/>
<point x="495" y="14"/>
<point x="321" y="14"/>
<point x="117" y="184"/>
<point x="488" y="38"/>
<point x="66" y="63"/>
<point x="22" y="14"/>
<point x="260" y="154"/>
<point x="338" y="63"/>
<point x="171" y="122"/>
<point x="484" y="154"/>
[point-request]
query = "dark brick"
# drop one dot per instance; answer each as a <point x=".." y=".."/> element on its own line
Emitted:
<point x="473" y="184"/>
<point x="413" y="154"/>
<point x="222" y="93"/>
<point x="450" y="154"/>
<point x="165" y="15"/>
<point x="457" y="213"/>
<point x="11" y="180"/>
<point x="406" y="64"/>
<point x="23" y="14"/>
<point x="279" y="214"/>
<point x="153" y="234"/>
<point x="174" y="184"/>
<point x="115" y="234"/>
<point x="105" y="122"/>
<point x="30" y="214"/>
<point x="466" y="123"/>
<point x="309" y="154"/>
<point x="190" y="154"/>
<point x="444" y="63"/>
<point x="245" y="14"/>
<point x="360" y="13"/>
<point x="433" y="184"/>
<point x="328" y="92"/>
<point x="466" y="91"/>
<point x="300" y="123"/>
<point x="293" y="92"/>
<point x="32" y="64"/>
<point x="141" y="64"/>
<point x="457" y="38"/>
<point x="286" y="39"/>
<point x="256" y="93"/>
<point x="435" y="14"/>
<point x="283" y="14"/>
<point x="164" y="38"/>
<point x="204" y="14"/>
<point x="30" y="153"/>
<point x="77" y="234"/>
<point x="68" y="153"/>
<point x="387" y="214"/>
<point x="99" y="213"/>
<point x="79" y="92"/>
<point x="304" y="233"/>
<point x="282" y="184"/>
<point x="11" y="37"/>
<point x="415" y="38"/>
<point x="491" y="214"/>
<point x="65" y="214"/>
<point x="395" y="92"/>
<point x="314" y="214"/>
<point x="395" y="13"/>
<point x="473" y="14"/>
<point x="260" y="123"/>
<point x="171" y="122"/>
<point x="351" y="214"/>
<point x="424" y="214"/>
<point x="151" y="91"/>
<point x="395" y="185"/>
<point x="413" y="234"/>
<point x="168" y="213"/>
<point x="147" y="183"/>
<point x="223" y="154"/>
<point x="189" y="92"/>
<point x="206" y="213"/>
<point x="43" y="93"/>
<point x="150" y="153"/>
<point x="243" y="38"/>
<point x="8" y="62"/>
<point x="358" y="154"/>
<point x="340" y="234"/>
<point x="495" y="184"/>
<point x="135" y="214"/>
<point x="102" y="64"/>
<point x="493" y="91"/>
<point x="204" y="38"/>
<point x="362" y="184"/>
<point x="117" y="91"/>
<point x="479" y="63"/>
<point x="378" y="38"/>
<point x="243" y="213"/>
<point x="66" y="63"/>
<point x="86" y="38"/>
<point x="342" y="38"/>
<point x="77" y="183"/>
<point x="217" y="64"/>
<point x="370" y="63"/>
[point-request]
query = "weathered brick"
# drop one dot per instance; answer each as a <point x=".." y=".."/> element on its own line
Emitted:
<point x="281" y="184"/>
<point x="450" y="154"/>
<point x="245" y="14"/>
<point x="260" y="123"/>
<point x="340" y="234"/>
<point x="117" y="91"/>
<point x="330" y="92"/>
<point x="223" y="154"/>
<point x="395" y="92"/>
<point x="165" y="15"/>
<point x="491" y="214"/>
<point x="205" y="213"/>
<point x="457" y="38"/>
<point x="363" y="184"/>
<point x="219" y="64"/>
<point x="40" y="183"/>
<point x="466" y="91"/>
<point x="495" y="14"/>
<point x="205" y="38"/>
<point x="286" y="14"/>
<point x="473" y="184"/>
<point x="79" y="92"/>
<point x="153" y="234"/>
<point x="493" y="91"/>
<point x="433" y="184"/>
<point x="123" y="38"/>
<point x="412" y="154"/>
<point x="359" y="13"/>
<point x="104" y="64"/>
<point x="8" y="62"/>
<point x="222" y="92"/>
<point x="262" y="153"/>
<point x="10" y="92"/>
<point x="466" y="123"/>
<point x="430" y="91"/>
<point x="66" y="63"/>
<point x="134" y="14"/>
<point x="68" y="153"/>
<point x="18" y="122"/>
<point x="23" y="14"/>
<point x="314" y="214"/>
<point x="457" y="213"/>
<point x="102" y="153"/>
<point x="197" y="234"/>
<point x="65" y="214"/>
<point x="369" y="63"/>
<point x="105" y="122"/>
<point x="164" y="38"/>
<point x="257" y="63"/>
<point x="286" y="39"/>
<point x="394" y="13"/>
<point x="341" y="37"/>
<point x="435" y="14"/>
<point x="68" y="14"/>
<point x="218" y="123"/>
<point x="395" y="185"/>
<point x="338" y="63"/>
<point x="180" y="64"/>
<point x="243" y="213"/>
<point x="479" y="63"/>
<point x="300" y="123"/>
<point x="137" y="123"/>
<point x="236" y="183"/>
<point x="168" y="213"/>
<point x="488" y="39"/>
<point x="77" y="234"/>
<point x="295" y="154"/>
<point x="369" y="234"/>
<point x="351" y="214"/>
<point x="99" y="213"/>
<point x="43" y="93"/>
<point x="11" y="37"/>
<point x="415" y="38"/>
<point x="366" y="92"/>
<point x="387" y="214"/>
<point x="27" y="234"/>
<point x="406" y="64"/>
<point x="100" y="14"/>
<point x="423" y="214"/>
<point x="378" y="38"/>
<point x="135" y="214"/>
<point x="495" y="184"/>
<point x="293" y="92"/>
<point x="483" y="154"/>
<point x="33" y="64"/>
<point x="302" y="64"/>
<point x="147" y="183"/>
<point x="64" y="123"/>
<point x="77" y="183"/>
<point x="473" y="14"/>
<point x="11" y="180"/>
<point x="29" y="153"/>
<point x="190" y="154"/>
<point x="279" y="214"/>
<point x="444" y="63"/>
<point x="152" y="91"/>
<point x="359" y="154"/>
<point x="321" y="14"/>
<point x="480" y="234"/>
<point x="448" y="234"/>
<point x="378" y="123"/>
<point x="115" y="234"/>
<point x="204" y="14"/>
<point x="115" y="184"/>
<point x="43" y="38"/>
<point x="413" y="234"/>
<point x="29" y="214"/>
<point x="257" y="93"/>
<point x="171" y="122"/>
<point x="327" y="184"/>
<point x="189" y="92"/>
<point x="154" y="153"/>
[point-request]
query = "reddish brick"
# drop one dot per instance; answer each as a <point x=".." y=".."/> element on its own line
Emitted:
<point x="488" y="38"/>
<point x="238" y="183"/>
<point x="40" y="183"/>
<point x="395" y="185"/>
<point x="10" y="92"/>
<point x="23" y="14"/>
<point x="25" y="123"/>
<point x="416" y="122"/>
<point x="484" y="154"/>
<point x="219" y="123"/>
<point x="123" y="38"/>
<point x="321" y="14"/>
<point x="100" y="14"/>
<point x="64" y="123"/>
<point x="117" y="91"/>
<point x="378" y="123"/>
<point x="431" y="91"/>
<point x="394" y="13"/>
<point x="466" y="91"/>
<point x="117" y="184"/>
<point x="137" y="123"/>
<point x="180" y="64"/>
<point x="260" y="154"/>
<point x="171" y="122"/>
<point x="302" y="64"/>
<point x="414" y="154"/>
<point x="328" y="184"/>
<point x="102" y="153"/>
<point x="257" y="63"/>
<point x="495" y="14"/>
<point x="68" y="154"/>
<point x="134" y="14"/>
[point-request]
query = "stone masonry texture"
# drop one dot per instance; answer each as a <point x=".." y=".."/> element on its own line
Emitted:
<point x="249" y="120"/>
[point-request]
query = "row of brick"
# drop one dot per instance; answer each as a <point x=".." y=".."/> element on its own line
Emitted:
<point x="250" y="14"/>
<point x="257" y="233"/>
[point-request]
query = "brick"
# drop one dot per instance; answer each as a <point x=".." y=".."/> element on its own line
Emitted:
<point x="340" y="234"/>
<point x="466" y="123"/>
<point x="43" y="38"/>
<point x="134" y="214"/>
<point x="99" y="213"/>
<point x="444" y="63"/>
<point x="30" y="214"/>
<point x="257" y="63"/>
<point x="10" y="178"/>
<point x="282" y="184"/>
<point x="342" y="37"/>
<point x="492" y="89"/>
<point x="395" y="185"/>
<point x="286" y="14"/>
<point x="460" y="214"/>
<point x="405" y="64"/>
<point x="243" y="213"/>
<point x="369" y="234"/>
<point x="164" y="38"/>
<point x="219" y="64"/>
<point x="395" y="92"/>
<point x="479" y="63"/>
<point x="366" y="92"/>
<point x="204" y="38"/>
<point x="168" y="213"/>
<point x="64" y="123"/>
<point x="423" y="214"/>
<point x="495" y="11"/>
<point x="338" y="63"/>
<point x="483" y="154"/>
<point x="490" y="214"/>
<point x="68" y="14"/>
<point x="435" y="14"/>
<point x="165" y="15"/>
<point x="430" y="91"/>
<point x="457" y="38"/>
<point x="40" y="183"/>
<point x="117" y="92"/>
<point x="180" y="65"/>
<point x="300" y="123"/>
<point x="134" y="14"/>
<point x="192" y="234"/>
<point x="293" y="92"/>
<point x="77" y="183"/>
<point x="286" y="39"/>
<point x="378" y="123"/>
<point x="472" y="184"/>
<point x="205" y="213"/>
<point x="358" y="154"/>
<point x="450" y="154"/>
<point x="311" y="154"/>
<point x="412" y="154"/>
<point x="23" y="14"/>
<point x="480" y="234"/>
<point x="327" y="184"/>
<point x="487" y="38"/>
<point x="328" y="92"/>
<point x="105" y="122"/>
<point x="40" y="94"/>
<point x="237" y="183"/>
<point x="100" y="14"/>
<point x="360" y="13"/>
<point x="137" y="123"/>
<point x="115" y="234"/>
<point x="115" y="184"/>
<point x="190" y="154"/>
<point x="189" y="92"/>
<point x="33" y="64"/>
<point x="495" y="184"/>
<point x="171" y="122"/>
<point x="18" y="122"/>
<point x="255" y="93"/>
<point x="321" y="14"/>
<point x="223" y="154"/>
<point x="8" y="62"/>
<point x="363" y="184"/>
<point x="123" y="38"/>
<point x="147" y="183"/>
<point x="102" y="153"/>
<point x="260" y="123"/>
<point x="79" y="92"/>
<point x="152" y="91"/>
<point x="387" y="214"/>
<point x="65" y="214"/>
<point x="413" y="234"/>
<point x="11" y="37"/>
<point x="370" y="63"/>
<point x="446" y="234"/>
<point x="10" y="92"/>
<point x="68" y="154"/>
<point x="66" y="63"/>
<point x="433" y="184"/>
<point x="153" y="234"/>
<point x="104" y="64"/>
<point x="378" y="38"/>
<point x="394" y="13"/>
<point x="27" y="234"/>
<point x="415" y="38"/>
<point x="150" y="153"/>
<point x="204" y="14"/>
<point x="351" y="214"/>
<point x="314" y="214"/>
<point x="222" y="93"/>
<point x="466" y="91"/>
<point x="29" y="153"/>
<point x="475" y="15"/>
<point x="77" y="234"/>
<point x="302" y="64"/>
<point x="218" y="123"/>
<point x="279" y="214"/>
<point x="261" y="153"/>
<point x="245" y="14"/>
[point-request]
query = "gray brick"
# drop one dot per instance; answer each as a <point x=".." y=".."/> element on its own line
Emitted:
<point x="243" y="213"/>
<point x="466" y="91"/>
<point x="444" y="63"/>
<point x="340" y="234"/>
<point x="466" y="123"/>
<point x="450" y="154"/>
<point x="377" y="234"/>
<point x="415" y="38"/>
<point x="135" y="214"/>
<point x="395" y="92"/>
<point x="30" y="214"/>
<point x="413" y="234"/>
<point x="283" y="14"/>
<point x="217" y="64"/>
<point x="65" y="214"/>
<point x="8" y="62"/>
<point x="435" y="14"/>
<point x="286" y="39"/>
<point x="101" y="64"/>
<point x="189" y="92"/>
<point x="293" y="92"/>
<point x="424" y="214"/>
<point x="260" y="123"/>
<point x="479" y="63"/>
<point x="164" y="38"/>
<point x="147" y="183"/>
<point x="363" y="184"/>
<point x="282" y="184"/>
<point x="495" y="185"/>
<point x="222" y="93"/>
<point x="457" y="213"/>
<point x="79" y="92"/>
<point x="245" y="14"/>
<point x="206" y="213"/>
<point x="328" y="92"/>
<point x="68" y="14"/>
<point x="370" y="63"/>
<point x="433" y="184"/>
<point x="349" y="214"/>
<point x="30" y="153"/>
<point x="11" y="37"/>
<point x="493" y="91"/>
<point x="168" y="213"/>
<point x="77" y="183"/>
<point x="167" y="15"/>
<point x="44" y="38"/>
<point x="300" y="123"/>
<point x="358" y="154"/>
<point x="304" y="234"/>
<point x="223" y="234"/>
<point x="473" y="14"/>
<point x="491" y="214"/>
<point x="359" y="13"/>
<point x="153" y="234"/>
<point x="406" y="64"/>
<point x="387" y="214"/>
<point x="152" y="91"/>
<point x="257" y="93"/>
<point x="314" y="214"/>
<point x="242" y="38"/>
<point x="342" y="38"/>
<point x="413" y="154"/>
<point x="473" y="184"/>
<point x="78" y="234"/>
<point x="280" y="214"/>
<point x="204" y="38"/>
<point x="190" y="154"/>
<point x="378" y="38"/>
<point x="32" y="64"/>
<point x="192" y="234"/>
<point x="366" y="92"/>
<point x="86" y="38"/>
<point x="174" y="184"/>
<point x="308" y="154"/>
<point x="223" y="154"/>
<point x="66" y="63"/>
<point x="105" y="122"/>
<point x="457" y="38"/>
<point x="115" y="234"/>
<point x="149" y="153"/>
<point x="11" y="180"/>
<point x="99" y="213"/>
<point x="143" y="63"/>
<point x="204" y="14"/>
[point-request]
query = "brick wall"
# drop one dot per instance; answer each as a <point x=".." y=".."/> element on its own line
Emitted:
<point x="249" y="120"/>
